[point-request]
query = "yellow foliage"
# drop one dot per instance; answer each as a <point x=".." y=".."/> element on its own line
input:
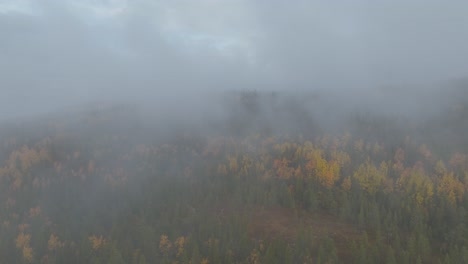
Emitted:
<point x="165" y="244"/>
<point x="247" y="164"/>
<point x="54" y="243"/>
<point x="204" y="261"/>
<point x="377" y="148"/>
<point x="418" y="184"/>
<point x="28" y="254"/>
<point x="465" y="178"/>
<point x="440" y="168"/>
<point x="22" y="243"/>
<point x="313" y="157"/>
<point x="20" y="162"/>
<point x="341" y="157"/>
<point x="369" y="177"/>
<point x="284" y="147"/>
<point x="180" y="243"/>
<point x="233" y="166"/>
<point x="452" y="187"/>
<point x="326" y="172"/>
<point x="299" y="153"/>
<point x="254" y="257"/>
<point x="308" y="146"/>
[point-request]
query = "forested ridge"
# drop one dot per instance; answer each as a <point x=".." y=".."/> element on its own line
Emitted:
<point x="110" y="186"/>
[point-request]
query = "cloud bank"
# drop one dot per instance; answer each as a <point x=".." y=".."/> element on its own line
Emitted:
<point x="59" y="53"/>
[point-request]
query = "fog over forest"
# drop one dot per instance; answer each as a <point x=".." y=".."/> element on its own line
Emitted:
<point x="57" y="54"/>
<point x="233" y="131"/>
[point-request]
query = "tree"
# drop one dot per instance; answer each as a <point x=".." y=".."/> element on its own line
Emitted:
<point x="369" y="177"/>
<point x="451" y="187"/>
<point x="22" y="243"/>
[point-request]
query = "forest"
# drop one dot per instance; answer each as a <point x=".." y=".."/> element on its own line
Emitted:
<point x="270" y="182"/>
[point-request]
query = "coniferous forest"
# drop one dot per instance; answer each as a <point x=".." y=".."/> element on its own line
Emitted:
<point x="269" y="182"/>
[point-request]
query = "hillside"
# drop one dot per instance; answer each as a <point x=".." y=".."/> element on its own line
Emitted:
<point x="273" y="179"/>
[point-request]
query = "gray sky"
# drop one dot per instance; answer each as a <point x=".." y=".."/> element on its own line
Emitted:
<point x="59" y="53"/>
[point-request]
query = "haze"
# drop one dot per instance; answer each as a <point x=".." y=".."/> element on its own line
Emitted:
<point x="58" y="54"/>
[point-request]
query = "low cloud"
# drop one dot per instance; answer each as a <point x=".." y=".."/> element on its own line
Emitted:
<point x="60" y="53"/>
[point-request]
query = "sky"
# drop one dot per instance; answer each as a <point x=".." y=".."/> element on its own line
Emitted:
<point x="55" y="54"/>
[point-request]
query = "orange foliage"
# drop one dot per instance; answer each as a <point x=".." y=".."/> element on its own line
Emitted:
<point x="346" y="185"/>
<point x="97" y="242"/>
<point x="458" y="160"/>
<point x="22" y="240"/>
<point x="388" y="185"/>
<point x="425" y="152"/>
<point x="22" y="243"/>
<point x="326" y="172"/>
<point x="34" y="211"/>
<point x="282" y="168"/>
<point x="298" y="173"/>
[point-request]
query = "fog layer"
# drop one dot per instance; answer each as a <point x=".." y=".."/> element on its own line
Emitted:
<point x="57" y="54"/>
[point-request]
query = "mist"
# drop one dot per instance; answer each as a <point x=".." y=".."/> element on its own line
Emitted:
<point x="233" y="131"/>
<point x="179" y="56"/>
